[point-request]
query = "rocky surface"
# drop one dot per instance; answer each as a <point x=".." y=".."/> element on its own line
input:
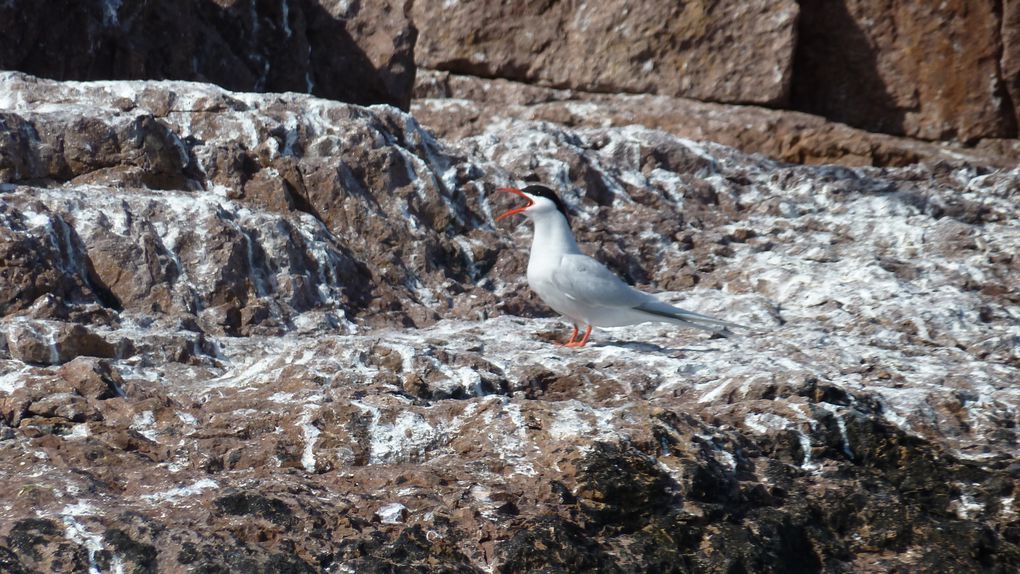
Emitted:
<point x="457" y="106"/>
<point x="276" y="333"/>
<point x="1011" y="54"/>
<point x="359" y="52"/>
<point x="945" y="71"/>
<point x="693" y="49"/>
<point x="927" y="70"/>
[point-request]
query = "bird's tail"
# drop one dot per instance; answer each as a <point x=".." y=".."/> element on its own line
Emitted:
<point x="689" y="318"/>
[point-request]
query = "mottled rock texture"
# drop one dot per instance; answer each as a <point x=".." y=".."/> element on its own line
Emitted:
<point x="1011" y="54"/>
<point x="930" y="70"/>
<point x="693" y="49"/>
<point x="273" y="333"/>
<point x="456" y="106"/>
<point x="935" y="71"/>
<point x="359" y="52"/>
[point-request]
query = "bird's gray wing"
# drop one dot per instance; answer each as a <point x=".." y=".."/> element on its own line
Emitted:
<point x="587" y="281"/>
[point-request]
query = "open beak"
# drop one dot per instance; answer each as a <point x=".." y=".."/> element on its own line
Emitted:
<point x="515" y="210"/>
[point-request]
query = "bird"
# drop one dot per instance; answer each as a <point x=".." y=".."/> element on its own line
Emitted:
<point x="581" y="288"/>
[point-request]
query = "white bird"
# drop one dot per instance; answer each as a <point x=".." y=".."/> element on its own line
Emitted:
<point x="580" y="288"/>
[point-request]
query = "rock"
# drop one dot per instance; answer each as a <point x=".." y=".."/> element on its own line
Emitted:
<point x="54" y="343"/>
<point x="1011" y="53"/>
<point x="31" y="384"/>
<point x="68" y="406"/>
<point x="293" y="170"/>
<point x="882" y="68"/>
<point x="40" y="256"/>
<point x="39" y="545"/>
<point x="135" y="149"/>
<point x="349" y="52"/>
<point x="325" y="356"/>
<point x="648" y="47"/>
<point x="93" y="378"/>
<point x="411" y="550"/>
<point x="456" y="106"/>
<point x="900" y="69"/>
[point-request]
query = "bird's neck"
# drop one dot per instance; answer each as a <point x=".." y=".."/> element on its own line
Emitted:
<point x="553" y="237"/>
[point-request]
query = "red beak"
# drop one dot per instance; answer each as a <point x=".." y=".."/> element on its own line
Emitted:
<point x="515" y="210"/>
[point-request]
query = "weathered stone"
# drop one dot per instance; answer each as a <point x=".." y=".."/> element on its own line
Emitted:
<point x="645" y="47"/>
<point x="268" y="408"/>
<point x="1010" y="27"/>
<point x="924" y="70"/>
<point x="456" y="106"/>
<point x="93" y="378"/>
<point x="68" y="406"/>
<point x="351" y="52"/>
<point x="54" y="343"/>
<point x="39" y="545"/>
<point x="39" y="256"/>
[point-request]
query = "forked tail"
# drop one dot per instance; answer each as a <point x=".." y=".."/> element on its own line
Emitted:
<point x="689" y="318"/>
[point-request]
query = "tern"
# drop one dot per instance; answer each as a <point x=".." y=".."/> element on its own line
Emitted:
<point x="582" y="289"/>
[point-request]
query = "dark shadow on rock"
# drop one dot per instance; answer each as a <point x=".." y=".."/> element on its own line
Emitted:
<point x="835" y="72"/>
<point x="265" y="48"/>
<point x="645" y="347"/>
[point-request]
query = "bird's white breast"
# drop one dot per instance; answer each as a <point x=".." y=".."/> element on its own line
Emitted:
<point x="540" y="278"/>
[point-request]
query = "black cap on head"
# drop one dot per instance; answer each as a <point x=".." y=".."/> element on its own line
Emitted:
<point x="543" y="191"/>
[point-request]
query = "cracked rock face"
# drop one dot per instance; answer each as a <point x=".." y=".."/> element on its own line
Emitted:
<point x="277" y="333"/>
<point x="455" y="106"/>
<point x="945" y="71"/>
<point x="881" y="66"/>
<point x="616" y="46"/>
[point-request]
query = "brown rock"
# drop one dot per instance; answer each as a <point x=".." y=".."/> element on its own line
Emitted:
<point x="32" y="384"/>
<point x="673" y="49"/>
<point x="113" y="257"/>
<point x="54" y="342"/>
<point x="34" y="259"/>
<point x="39" y="545"/>
<point x="461" y="106"/>
<point x="34" y="342"/>
<point x="93" y="378"/>
<point x="69" y="406"/>
<point x="1011" y="55"/>
<point x="129" y="149"/>
<point x="866" y="422"/>
<point x="268" y="190"/>
<point x="921" y="69"/>
<point x="353" y="52"/>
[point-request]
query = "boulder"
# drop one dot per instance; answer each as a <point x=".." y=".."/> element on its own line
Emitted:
<point x="40" y="256"/>
<point x="925" y="70"/>
<point x="690" y="49"/>
<point x="1011" y="54"/>
<point x="54" y="342"/>
<point x="133" y="149"/>
<point x="333" y="177"/>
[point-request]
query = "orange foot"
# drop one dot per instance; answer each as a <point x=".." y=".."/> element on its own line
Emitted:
<point x="582" y="342"/>
<point x="570" y="343"/>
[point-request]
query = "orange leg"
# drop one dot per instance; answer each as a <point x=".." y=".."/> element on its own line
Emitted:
<point x="572" y="337"/>
<point x="583" y="341"/>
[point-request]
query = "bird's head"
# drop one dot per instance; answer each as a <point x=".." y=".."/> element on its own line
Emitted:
<point x="541" y="200"/>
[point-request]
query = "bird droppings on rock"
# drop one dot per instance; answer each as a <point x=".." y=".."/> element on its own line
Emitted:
<point x="308" y="347"/>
